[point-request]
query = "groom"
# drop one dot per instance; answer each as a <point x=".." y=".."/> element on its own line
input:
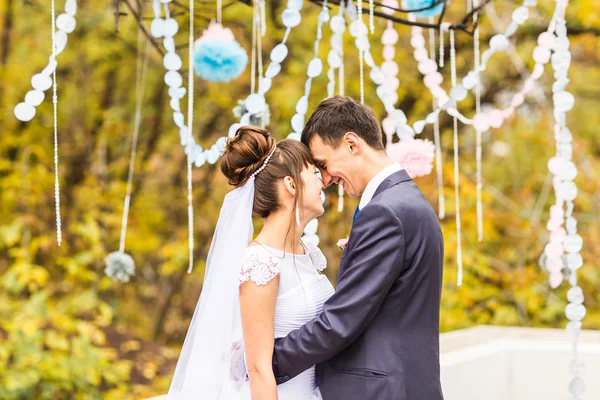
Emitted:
<point x="378" y="335"/>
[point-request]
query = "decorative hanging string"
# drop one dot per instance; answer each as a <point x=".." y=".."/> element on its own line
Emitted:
<point x="254" y="50"/>
<point x="263" y="18"/>
<point x="478" y="132"/>
<point x="456" y="172"/>
<point x="341" y="69"/>
<point x="260" y="28"/>
<point x="219" y="11"/>
<point x="55" y="111"/>
<point x="371" y="16"/>
<point x="360" y="53"/>
<point x="140" y="79"/>
<point x="436" y="137"/>
<point x="498" y="43"/>
<point x="340" y="205"/>
<point x="444" y="27"/>
<point x="191" y="130"/>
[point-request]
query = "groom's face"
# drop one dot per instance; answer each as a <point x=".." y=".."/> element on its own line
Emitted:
<point x="336" y="165"/>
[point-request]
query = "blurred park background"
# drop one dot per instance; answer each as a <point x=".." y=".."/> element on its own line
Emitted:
<point x="67" y="331"/>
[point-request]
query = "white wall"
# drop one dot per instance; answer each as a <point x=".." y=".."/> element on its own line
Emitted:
<point x="496" y="363"/>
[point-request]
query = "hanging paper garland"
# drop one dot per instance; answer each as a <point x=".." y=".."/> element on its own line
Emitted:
<point x="25" y="111"/>
<point x="390" y="69"/>
<point x="218" y="57"/>
<point x="565" y="171"/>
<point x="433" y="79"/>
<point x="425" y="6"/>
<point x="418" y="155"/>
<point x="314" y="69"/>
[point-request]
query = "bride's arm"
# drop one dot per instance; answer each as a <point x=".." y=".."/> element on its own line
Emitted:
<point x="257" y="304"/>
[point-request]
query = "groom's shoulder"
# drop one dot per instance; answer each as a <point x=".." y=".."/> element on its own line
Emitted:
<point x="404" y="198"/>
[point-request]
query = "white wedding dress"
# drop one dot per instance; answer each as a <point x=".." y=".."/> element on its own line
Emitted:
<point x="302" y="292"/>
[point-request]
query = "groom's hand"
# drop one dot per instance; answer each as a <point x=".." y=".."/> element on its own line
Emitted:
<point x="237" y="363"/>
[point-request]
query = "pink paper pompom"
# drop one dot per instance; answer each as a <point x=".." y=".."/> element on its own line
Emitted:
<point x="216" y="31"/>
<point x="414" y="155"/>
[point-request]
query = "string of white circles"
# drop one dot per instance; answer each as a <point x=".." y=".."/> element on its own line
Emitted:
<point x="315" y="68"/>
<point x="433" y="79"/>
<point x="255" y="103"/>
<point x="386" y="93"/>
<point x="65" y="24"/>
<point x="62" y="25"/>
<point x="564" y="171"/>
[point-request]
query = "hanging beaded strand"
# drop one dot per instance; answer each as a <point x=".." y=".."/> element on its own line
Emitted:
<point x="254" y="50"/>
<point x="341" y="69"/>
<point x="191" y="129"/>
<point x="360" y="52"/>
<point x="259" y="35"/>
<point x="478" y="132"/>
<point x="263" y="18"/>
<point x="459" y="278"/>
<point x="371" y="16"/>
<point x="55" y="111"/>
<point x="443" y="27"/>
<point x="340" y="205"/>
<point x="219" y="11"/>
<point x="141" y="72"/>
<point x="436" y="137"/>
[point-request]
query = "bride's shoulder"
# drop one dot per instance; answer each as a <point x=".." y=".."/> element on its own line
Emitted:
<point x="258" y="266"/>
<point x="316" y="255"/>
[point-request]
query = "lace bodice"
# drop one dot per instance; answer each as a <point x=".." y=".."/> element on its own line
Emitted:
<point x="302" y="292"/>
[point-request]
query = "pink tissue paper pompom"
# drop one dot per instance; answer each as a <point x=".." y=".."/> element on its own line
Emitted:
<point x="216" y="31"/>
<point x="414" y="155"/>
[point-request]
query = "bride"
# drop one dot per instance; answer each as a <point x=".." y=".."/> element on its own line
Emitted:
<point x="256" y="290"/>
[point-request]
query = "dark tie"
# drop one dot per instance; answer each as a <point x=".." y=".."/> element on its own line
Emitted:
<point x="355" y="214"/>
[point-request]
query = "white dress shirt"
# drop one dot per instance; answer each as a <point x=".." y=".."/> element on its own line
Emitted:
<point x="375" y="182"/>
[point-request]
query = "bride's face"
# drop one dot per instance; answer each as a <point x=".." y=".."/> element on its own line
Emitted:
<point x="312" y="203"/>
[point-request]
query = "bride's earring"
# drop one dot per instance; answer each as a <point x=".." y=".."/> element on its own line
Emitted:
<point x="297" y="215"/>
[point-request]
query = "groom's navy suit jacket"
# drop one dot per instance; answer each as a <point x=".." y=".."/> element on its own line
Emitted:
<point x="378" y="335"/>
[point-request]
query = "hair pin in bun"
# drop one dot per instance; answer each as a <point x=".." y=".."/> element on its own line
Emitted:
<point x="265" y="163"/>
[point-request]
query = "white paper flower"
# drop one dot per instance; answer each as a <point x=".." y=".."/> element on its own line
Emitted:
<point x="119" y="266"/>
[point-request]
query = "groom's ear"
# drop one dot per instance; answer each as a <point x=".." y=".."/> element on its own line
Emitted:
<point x="351" y="142"/>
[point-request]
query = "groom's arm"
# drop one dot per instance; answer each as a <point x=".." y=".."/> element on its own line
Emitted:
<point x="367" y="272"/>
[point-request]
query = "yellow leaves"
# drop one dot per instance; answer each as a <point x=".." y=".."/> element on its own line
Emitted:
<point x="62" y="321"/>
<point x="23" y="276"/>
<point x="92" y="332"/>
<point x="10" y="234"/>
<point x="118" y="371"/>
<point x="56" y="341"/>
<point x="105" y="315"/>
<point x="150" y="369"/>
<point x="130" y="345"/>
<point x="506" y="315"/>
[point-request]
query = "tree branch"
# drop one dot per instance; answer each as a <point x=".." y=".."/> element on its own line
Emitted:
<point x="143" y="28"/>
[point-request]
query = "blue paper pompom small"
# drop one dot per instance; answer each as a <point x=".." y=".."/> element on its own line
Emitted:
<point x="419" y="4"/>
<point x="219" y="61"/>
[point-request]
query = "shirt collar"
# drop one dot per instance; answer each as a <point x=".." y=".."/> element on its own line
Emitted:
<point x="374" y="183"/>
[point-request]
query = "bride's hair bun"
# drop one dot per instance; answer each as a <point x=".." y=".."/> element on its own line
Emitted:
<point x="245" y="153"/>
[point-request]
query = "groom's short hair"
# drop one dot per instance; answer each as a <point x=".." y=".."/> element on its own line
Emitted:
<point x="336" y="116"/>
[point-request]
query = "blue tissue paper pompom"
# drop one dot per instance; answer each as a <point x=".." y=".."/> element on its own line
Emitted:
<point x="219" y="61"/>
<point x="419" y="4"/>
